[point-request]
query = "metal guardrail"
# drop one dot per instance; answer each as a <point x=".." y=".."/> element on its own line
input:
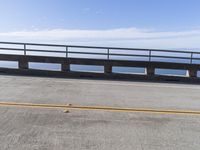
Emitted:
<point x="108" y="52"/>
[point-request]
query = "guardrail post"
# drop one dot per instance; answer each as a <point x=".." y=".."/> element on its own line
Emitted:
<point x="23" y="63"/>
<point x="150" y="71"/>
<point x="192" y="73"/>
<point x="65" y="66"/>
<point x="149" y="55"/>
<point x="191" y="57"/>
<point x="108" y="56"/>
<point x="107" y="68"/>
<point x="24" y="49"/>
<point x="66" y="52"/>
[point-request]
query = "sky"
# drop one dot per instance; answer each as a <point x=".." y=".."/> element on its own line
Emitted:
<point x="163" y="24"/>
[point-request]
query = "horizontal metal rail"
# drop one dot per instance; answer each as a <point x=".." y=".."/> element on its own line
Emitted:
<point x="95" y="47"/>
<point x="109" y="52"/>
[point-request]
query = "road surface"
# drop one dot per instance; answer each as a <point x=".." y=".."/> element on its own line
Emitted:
<point x="23" y="128"/>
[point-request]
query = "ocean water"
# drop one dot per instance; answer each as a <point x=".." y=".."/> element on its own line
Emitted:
<point x="88" y="68"/>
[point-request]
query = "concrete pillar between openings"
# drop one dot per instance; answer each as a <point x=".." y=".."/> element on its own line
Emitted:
<point x="23" y="64"/>
<point x="65" y="66"/>
<point x="150" y="71"/>
<point x="108" y="69"/>
<point x="192" y="73"/>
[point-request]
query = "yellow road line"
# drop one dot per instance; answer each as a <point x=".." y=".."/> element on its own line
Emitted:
<point x="102" y="108"/>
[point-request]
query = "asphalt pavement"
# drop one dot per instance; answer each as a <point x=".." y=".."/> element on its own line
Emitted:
<point x="23" y="128"/>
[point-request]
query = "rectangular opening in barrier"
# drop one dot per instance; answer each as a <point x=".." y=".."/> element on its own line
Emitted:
<point x="87" y="68"/>
<point x="198" y="73"/>
<point x="45" y="66"/>
<point x="8" y="64"/>
<point x="129" y="70"/>
<point x="171" y="72"/>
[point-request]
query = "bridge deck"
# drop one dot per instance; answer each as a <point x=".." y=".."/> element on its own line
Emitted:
<point x="34" y="129"/>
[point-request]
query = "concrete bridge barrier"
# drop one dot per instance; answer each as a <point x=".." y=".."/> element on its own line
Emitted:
<point x="108" y="61"/>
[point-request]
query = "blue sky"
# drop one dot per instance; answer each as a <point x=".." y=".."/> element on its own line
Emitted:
<point x="141" y="23"/>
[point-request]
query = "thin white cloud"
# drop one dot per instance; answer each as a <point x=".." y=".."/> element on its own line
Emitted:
<point x="133" y="37"/>
<point x="99" y="12"/>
